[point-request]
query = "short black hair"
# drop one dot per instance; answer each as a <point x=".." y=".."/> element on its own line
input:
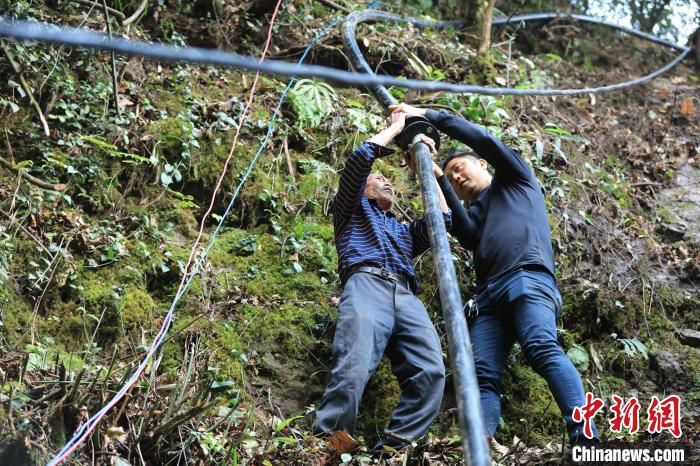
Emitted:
<point x="454" y="155"/>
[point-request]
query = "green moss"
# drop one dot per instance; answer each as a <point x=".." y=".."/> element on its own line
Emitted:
<point x="381" y="396"/>
<point x="225" y="349"/>
<point x="482" y="69"/>
<point x="173" y="102"/>
<point x="136" y="308"/>
<point x="15" y="315"/>
<point x="171" y="359"/>
<point x="610" y="385"/>
<point x="566" y="339"/>
<point x="207" y="162"/>
<point x="694" y="394"/>
<point x="288" y="328"/>
<point x="528" y="404"/>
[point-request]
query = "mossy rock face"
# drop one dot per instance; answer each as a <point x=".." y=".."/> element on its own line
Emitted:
<point x="14" y="451"/>
<point x="381" y="396"/>
<point x="136" y="308"/>
<point x="527" y="403"/>
<point x="482" y="69"/>
<point x="15" y="315"/>
<point x="258" y="265"/>
<point x="112" y="298"/>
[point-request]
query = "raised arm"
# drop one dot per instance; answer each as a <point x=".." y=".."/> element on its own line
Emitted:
<point x="503" y="159"/>
<point x="358" y="167"/>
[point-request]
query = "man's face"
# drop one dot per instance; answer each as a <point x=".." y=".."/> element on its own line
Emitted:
<point x="380" y="189"/>
<point x="468" y="177"/>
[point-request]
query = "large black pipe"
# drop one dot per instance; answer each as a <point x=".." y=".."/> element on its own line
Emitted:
<point x="476" y="452"/>
<point x="45" y="32"/>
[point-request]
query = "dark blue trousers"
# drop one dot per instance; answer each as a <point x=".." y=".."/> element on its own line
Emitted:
<point x="522" y="306"/>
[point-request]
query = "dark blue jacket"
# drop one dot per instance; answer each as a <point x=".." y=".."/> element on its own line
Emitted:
<point x="507" y="225"/>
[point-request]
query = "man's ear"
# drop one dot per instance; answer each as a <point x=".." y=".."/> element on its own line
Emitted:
<point x="483" y="163"/>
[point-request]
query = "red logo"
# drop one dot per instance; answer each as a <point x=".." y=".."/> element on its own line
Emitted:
<point x="626" y="416"/>
<point x="665" y="415"/>
<point x="662" y="414"/>
<point x="586" y="412"/>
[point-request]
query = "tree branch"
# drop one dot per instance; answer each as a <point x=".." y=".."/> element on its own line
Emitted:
<point x="25" y="86"/>
<point x="136" y="14"/>
<point x="115" y="85"/>
<point x="332" y="4"/>
<point x="35" y="181"/>
<point x="118" y="14"/>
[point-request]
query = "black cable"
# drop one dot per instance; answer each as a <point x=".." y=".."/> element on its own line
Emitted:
<point x="45" y="32"/>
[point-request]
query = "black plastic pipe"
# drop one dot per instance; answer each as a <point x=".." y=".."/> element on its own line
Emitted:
<point x="476" y="451"/>
<point x="83" y="37"/>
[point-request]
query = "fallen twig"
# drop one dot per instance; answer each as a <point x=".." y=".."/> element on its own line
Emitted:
<point x="25" y="86"/>
<point x="136" y="14"/>
<point x="118" y="14"/>
<point x="33" y="180"/>
<point x="115" y="84"/>
<point x="332" y="4"/>
<point x="290" y="167"/>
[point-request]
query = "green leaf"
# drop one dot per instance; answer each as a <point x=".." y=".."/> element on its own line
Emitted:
<point x="287" y="440"/>
<point x="119" y="461"/>
<point x="223" y="384"/>
<point x="312" y="100"/>
<point x="286" y="422"/>
<point x="36" y="362"/>
<point x="579" y="357"/>
<point x="354" y="103"/>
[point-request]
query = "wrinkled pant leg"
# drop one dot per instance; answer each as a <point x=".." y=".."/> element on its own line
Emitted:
<point x="416" y="359"/>
<point x="365" y="322"/>
<point x="492" y="338"/>
<point x="535" y="324"/>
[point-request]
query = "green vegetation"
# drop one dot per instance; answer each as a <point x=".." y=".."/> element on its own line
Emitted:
<point x="87" y="273"/>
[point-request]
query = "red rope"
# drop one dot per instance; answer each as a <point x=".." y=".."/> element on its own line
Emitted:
<point x="249" y="101"/>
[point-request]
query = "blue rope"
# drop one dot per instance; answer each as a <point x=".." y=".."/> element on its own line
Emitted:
<point x="195" y="270"/>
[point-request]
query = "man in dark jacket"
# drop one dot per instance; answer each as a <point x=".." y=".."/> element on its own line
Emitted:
<point x="379" y="312"/>
<point x="507" y="228"/>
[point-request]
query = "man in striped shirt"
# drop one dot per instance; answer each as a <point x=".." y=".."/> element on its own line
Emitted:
<point x="379" y="312"/>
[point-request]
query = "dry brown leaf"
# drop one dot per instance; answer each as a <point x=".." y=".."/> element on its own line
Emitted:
<point x="687" y="107"/>
<point x="125" y="101"/>
<point x="342" y="442"/>
<point x="663" y="93"/>
<point x="678" y="80"/>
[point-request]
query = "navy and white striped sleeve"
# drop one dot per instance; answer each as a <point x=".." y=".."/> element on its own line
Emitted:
<point x="353" y="180"/>
<point x="421" y="235"/>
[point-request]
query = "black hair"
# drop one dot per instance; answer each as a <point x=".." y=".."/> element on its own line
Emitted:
<point x="454" y="155"/>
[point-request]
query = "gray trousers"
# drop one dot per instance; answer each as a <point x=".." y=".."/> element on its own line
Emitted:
<point x="379" y="317"/>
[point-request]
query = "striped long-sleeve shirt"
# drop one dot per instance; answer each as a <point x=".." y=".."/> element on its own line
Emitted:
<point x="367" y="234"/>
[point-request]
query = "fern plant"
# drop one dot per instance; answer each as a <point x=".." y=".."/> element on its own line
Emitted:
<point x="632" y="346"/>
<point x="311" y="101"/>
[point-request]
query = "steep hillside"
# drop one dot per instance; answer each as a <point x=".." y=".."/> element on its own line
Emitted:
<point x="90" y="266"/>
